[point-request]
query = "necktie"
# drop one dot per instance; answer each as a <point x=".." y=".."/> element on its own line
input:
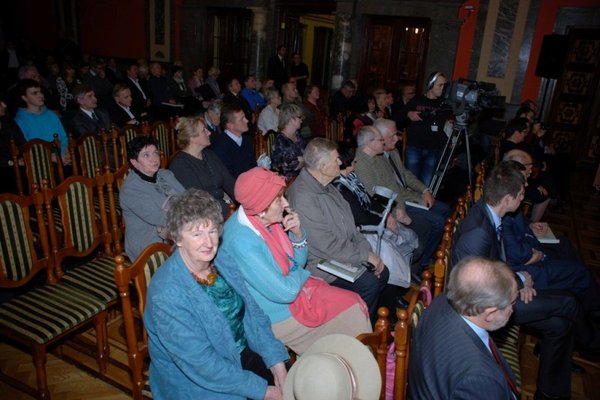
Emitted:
<point x="94" y="116"/>
<point x="496" y="355"/>
<point x="499" y="232"/>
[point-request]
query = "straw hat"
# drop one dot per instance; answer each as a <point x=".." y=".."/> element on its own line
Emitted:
<point x="335" y="367"/>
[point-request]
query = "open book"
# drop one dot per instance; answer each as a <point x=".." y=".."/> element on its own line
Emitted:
<point x="414" y="204"/>
<point x="548" y="238"/>
<point x="347" y="272"/>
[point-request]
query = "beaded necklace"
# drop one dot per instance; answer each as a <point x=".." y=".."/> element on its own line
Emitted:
<point x="211" y="278"/>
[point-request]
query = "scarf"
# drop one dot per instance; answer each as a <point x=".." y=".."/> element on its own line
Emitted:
<point x="317" y="302"/>
<point x="356" y="187"/>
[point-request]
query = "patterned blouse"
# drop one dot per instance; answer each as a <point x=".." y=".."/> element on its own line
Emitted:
<point x="284" y="156"/>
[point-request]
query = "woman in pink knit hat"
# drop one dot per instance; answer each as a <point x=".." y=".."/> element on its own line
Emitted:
<point x="266" y="239"/>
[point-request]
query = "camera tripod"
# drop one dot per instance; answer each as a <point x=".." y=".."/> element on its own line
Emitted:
<point x="459" y="130"/>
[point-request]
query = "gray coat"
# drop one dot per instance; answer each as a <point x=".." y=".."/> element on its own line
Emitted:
<point x="143" y="205"/>
<point x="330" y="229"/>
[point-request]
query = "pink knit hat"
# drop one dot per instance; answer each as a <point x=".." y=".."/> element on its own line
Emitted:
<point x="255" y="189"/>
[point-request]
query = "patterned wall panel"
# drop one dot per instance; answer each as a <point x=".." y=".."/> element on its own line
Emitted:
<point x="576" y="102"/>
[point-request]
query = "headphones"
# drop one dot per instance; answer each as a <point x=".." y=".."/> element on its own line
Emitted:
<point x="432" y="78"/>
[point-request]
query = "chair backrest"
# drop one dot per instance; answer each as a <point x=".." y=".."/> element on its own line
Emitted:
<point x="118" y="144"/>
<point x="19" y="258"/>
<point x="89" y="153"/>
<point x="83" y="213"/>
<point x="42" y="161"/>
<point x="407" y="321"/>
<point x="377" y="342"/>
<point x="165" y="138"/>
<point x="138" y="276"/>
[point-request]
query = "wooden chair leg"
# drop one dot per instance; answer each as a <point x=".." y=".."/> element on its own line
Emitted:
<point x="39" y="360"/>
<point x="103" y="350"/>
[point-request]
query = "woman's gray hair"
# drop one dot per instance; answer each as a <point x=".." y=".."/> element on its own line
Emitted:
<point x="187" y="128"/>
<point x="288" y="112"/>
<point x="317" y="151"/>
<point x="477" y="283"/>
<point x="365" y="135"/>
<point x="271" y="94"/>
<point x="193" y="207"/>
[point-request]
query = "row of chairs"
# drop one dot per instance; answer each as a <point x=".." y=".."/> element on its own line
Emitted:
<point x="74" y="223"/>
<point x="91" y="151"/>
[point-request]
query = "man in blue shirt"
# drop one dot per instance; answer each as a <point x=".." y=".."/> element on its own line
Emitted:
<point x="254" y="98"/>
<point x="35" y="120"/>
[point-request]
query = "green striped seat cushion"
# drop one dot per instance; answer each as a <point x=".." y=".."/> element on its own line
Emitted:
<point x="146" y="392"/>
<point x="507" y="341"/>
<point x="95" y="278"/>
<point x="46" y="312"/>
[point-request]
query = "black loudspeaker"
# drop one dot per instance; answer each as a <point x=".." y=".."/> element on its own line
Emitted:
<point x="552" y="56"/>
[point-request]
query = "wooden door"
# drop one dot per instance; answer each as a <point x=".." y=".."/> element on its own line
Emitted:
<point x="394" y="53"/>
<point x="228" y="41"/>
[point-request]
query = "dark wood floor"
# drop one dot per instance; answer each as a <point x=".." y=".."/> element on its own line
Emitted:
<point x="581" y="223"/>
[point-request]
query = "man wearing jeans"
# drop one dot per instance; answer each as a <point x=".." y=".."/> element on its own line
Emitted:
<point x="425" y="130"/>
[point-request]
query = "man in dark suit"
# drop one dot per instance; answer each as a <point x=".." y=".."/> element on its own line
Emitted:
<point x="121" y="110"/>
<point x="233" y="147"/>
<point x="139" y="91"/>
<point x="555" y="314"/>
<point x="452" y="354"/>
<point x="276" y="68"/>
<point x="89" y="118"/>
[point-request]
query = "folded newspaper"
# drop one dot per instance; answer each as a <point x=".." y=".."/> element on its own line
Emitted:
<point x="345" y="271"/>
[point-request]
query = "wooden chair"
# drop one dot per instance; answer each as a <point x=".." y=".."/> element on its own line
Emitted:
<point x="139" y="274"/>
<point x="42" y="161"/>
<point x="85" y="233"/>
<point x="407" y="322"/>
<point x="165" y="137"/>
<point x="113" y="182"/>
<point x="117" y="142"/>
<point x="44" y="314"/>
<point x="377" y="342"/>
<point x="87" y="154"/>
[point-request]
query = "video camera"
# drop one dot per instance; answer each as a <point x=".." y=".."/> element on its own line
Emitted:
<point x="466" y="95"/>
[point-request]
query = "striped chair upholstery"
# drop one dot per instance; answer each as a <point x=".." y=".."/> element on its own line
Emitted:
<point x="38" y="156"/>
<point x="507" y="341"/>
<point x="164" y="137"/>
<point x="83" y="235"/>
<point x="270" y="141"/>
<point x="90" y="153"/>
<point x="407" y="321"/>
<point x="139" y="273"/>
<point x="48" y="312"/>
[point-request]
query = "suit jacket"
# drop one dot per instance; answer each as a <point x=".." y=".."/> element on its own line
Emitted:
<point x="449" y="361"/>
<point x="476" y="235"/>
<point x="81" y="123"/>
<point x="276" y="71"/>
<point x="236" y="158"/>
<point x="119" y="116"/>
<point x="136" y="95"/>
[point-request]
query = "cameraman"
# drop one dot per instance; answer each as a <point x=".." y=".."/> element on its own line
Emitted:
<point x="425" y="130"/>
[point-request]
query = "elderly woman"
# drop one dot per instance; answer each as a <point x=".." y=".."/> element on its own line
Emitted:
<point x="195" y="166"/>
<point x="207" y="337"/>
<point x="268" y="242"/>
<point x="145" y="195"/>
<point x="289" y="143"/>
<point x="268" y="119"/>
<point x="398" y="242"/>
<point x="330" y="229"/>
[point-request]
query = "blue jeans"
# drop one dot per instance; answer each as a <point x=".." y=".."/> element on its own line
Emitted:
<point x="421" y="162"/>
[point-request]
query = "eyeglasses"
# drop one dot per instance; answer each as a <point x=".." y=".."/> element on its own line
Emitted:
<point x="299" y="116"/>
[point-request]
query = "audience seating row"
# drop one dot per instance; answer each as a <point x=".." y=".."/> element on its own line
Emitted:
<point x="88" y="153"/>
<point x="57" y="301"/>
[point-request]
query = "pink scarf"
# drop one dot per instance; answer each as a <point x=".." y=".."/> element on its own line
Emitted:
<point x="317" y="302"/>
